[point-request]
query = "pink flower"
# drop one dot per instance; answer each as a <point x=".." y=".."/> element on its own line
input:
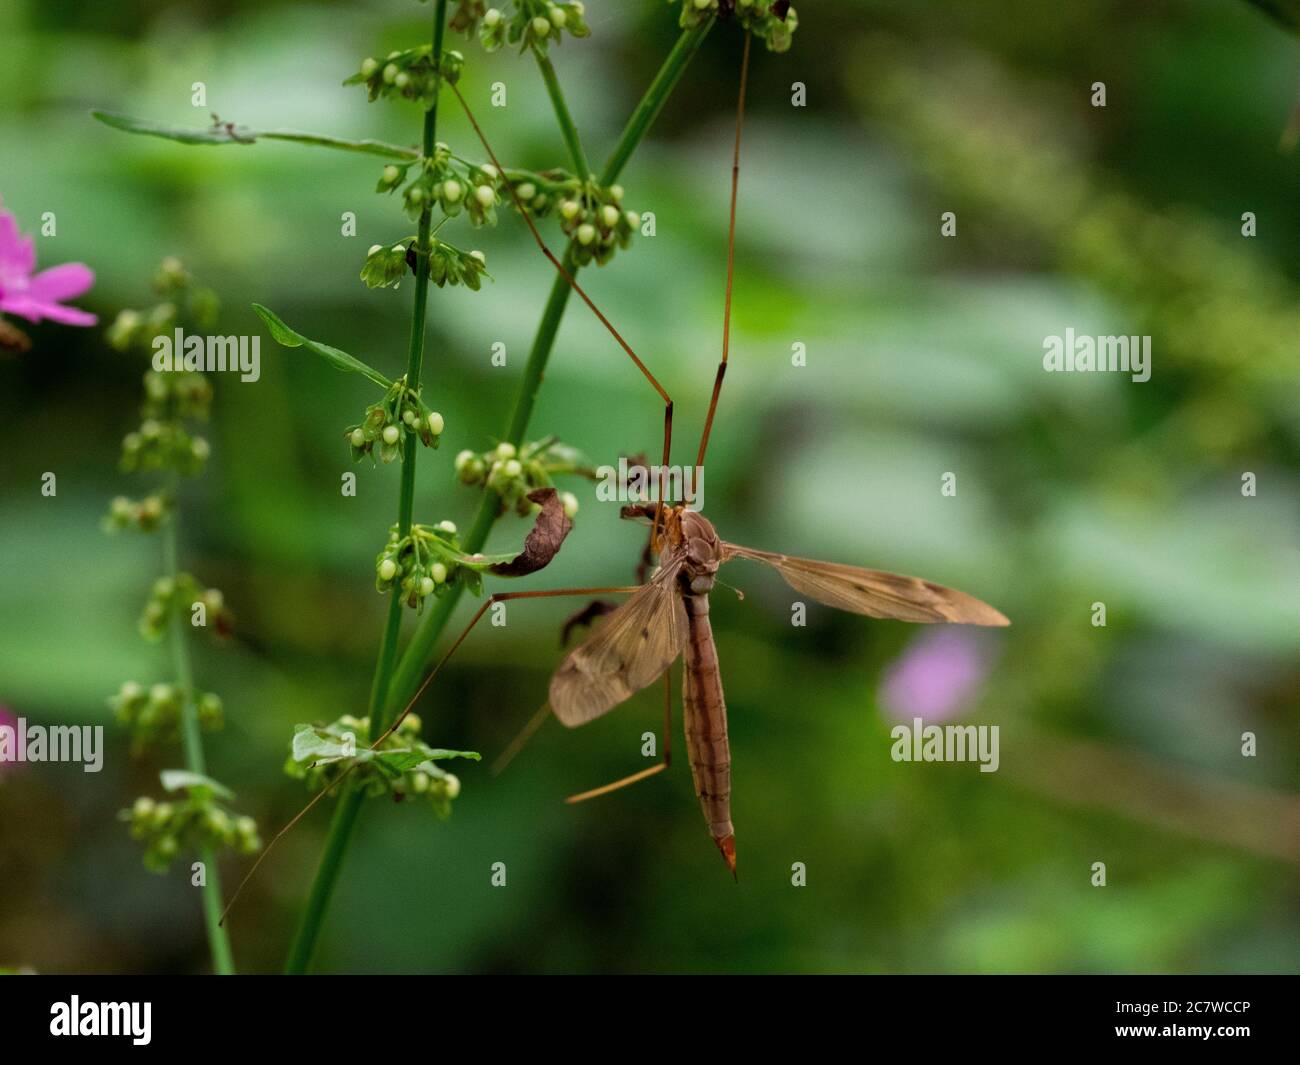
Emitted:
<point x="38" y="296"/>
<point x="936" y="676"/>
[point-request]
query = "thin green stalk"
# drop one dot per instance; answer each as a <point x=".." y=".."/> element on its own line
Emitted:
<point x="411" y="665"/>
<point x="345" y="818"/>
<point x="567" y="128"/>
<point x="223" y="961"/>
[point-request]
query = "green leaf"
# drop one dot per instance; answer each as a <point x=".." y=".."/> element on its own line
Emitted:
<point x="340" y="360"/>
<point x="324" y="140"/>
<point x="215" y="134"/>
<point x="1284" y="12"/>
<point x="311" y="744"/>
<point x="232" y="133"/>
<point x="176" y="779"/>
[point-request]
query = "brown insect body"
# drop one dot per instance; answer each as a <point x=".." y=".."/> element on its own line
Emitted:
<point x="704" y="705"/>
<point x="669" y="616"/>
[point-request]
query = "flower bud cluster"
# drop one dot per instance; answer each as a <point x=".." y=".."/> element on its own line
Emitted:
<point x="409" y="74"/>
<point x="448" y="182"/>
<point x="527" y="23"/>
<point x="772" y="21"/>
<point x="447" y="265"/>
<point x="153" y="714"/>
<point x="169" y="597"/>
<point x="143" y="514"/>
<point x="184" y="301"/>
<point x="596" y="221"/>
<point x="402" y="765"/>
<point x="515" y="472"/>
<point x="164" y="445"/>
<point x="424" y="563"/>
<point x="388" y="422"/>
<point x="170" y="396"/>
<point x="188" y="825"/>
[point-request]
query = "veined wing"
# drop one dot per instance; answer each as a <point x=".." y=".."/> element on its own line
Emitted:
<point x="873" y="592"/>
<point x="637" y="642"/>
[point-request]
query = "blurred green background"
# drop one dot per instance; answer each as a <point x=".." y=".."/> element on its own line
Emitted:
<point x="1119" y="744"/>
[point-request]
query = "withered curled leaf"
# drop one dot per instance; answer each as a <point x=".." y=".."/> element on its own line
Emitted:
<point x="543" y="542"/>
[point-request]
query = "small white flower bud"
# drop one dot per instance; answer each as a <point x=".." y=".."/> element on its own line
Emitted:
<point x="586" y="233"/>
<point x="569" y="209"/>
<point x="200" y="448"/>
<point x="390" y="73"/>
<point x="160" y="693"/>
<point x="492" y="172"/>
<point x="387" y="569"/>
<point x="616" y="193"/>
<point x="513" y="468"/>
<point x="368" y="67"/>
<point x="142" y="807"/>
<point x="451" y="784"/>
<point x="419" y="783"/>
<point x="491" y="17"/>
<point x="609" y="215"/>
<point x="402" y="80"/>
<point x="391" y="433"/>
<point x="633" y="219"/>
<point x="579" y="8"/>
<point x="447" y="526"/>
<point x="436" y="423"/>
<point x="463" y="460"/>
<point x="358" y="438"/>
<point x="415" y="194"/>
<point x="391" y="174"/>
<point x="438" y="572"/>
<point x="410" y="417"/>
<point x="485" y="195"/>
<point x="557" y="16"/>
<point x="130" y="690"/>
<point x="476" y="254"/>
<point x="246" y="826"/>
<point x="526" y="191"/>
<point x="505" y="450"/>
<point x="541" y="26"/>
<point x="569" y="502"/>
<point x="374" y="248"/>
<point x="426" y="586"/>
<point x="399" y="249"/>
<point x="451" y="191"/>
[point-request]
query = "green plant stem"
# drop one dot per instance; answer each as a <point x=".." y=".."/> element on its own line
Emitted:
<point x="562" y="115"/>
<point x="345" y="818"/>
<point x="411" y="665"/>
<point x="223" y="961"/>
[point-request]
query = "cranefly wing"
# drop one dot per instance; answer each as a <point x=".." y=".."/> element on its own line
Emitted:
<point x="873" y="592"/>
<point x="633" y="647"/>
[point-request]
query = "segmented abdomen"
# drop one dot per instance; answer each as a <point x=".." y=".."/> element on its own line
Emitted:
<point x="706" y="721"/>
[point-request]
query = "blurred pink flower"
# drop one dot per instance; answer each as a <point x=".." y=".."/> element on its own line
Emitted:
<point x="37" y="296"/>
<point x="936" y="676"/>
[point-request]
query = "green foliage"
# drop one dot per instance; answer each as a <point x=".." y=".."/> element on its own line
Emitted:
<point x="773" y="23"/>
<point x="193" y="822"/>
<point x="513" y="474"/>
<point x="402" y="765"/>
<point x="153" y="715"/>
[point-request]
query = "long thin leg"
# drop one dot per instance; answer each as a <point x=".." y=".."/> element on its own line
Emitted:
<point x="537" y="236"/>
<point x="497" y="597"/>
<point x="731" y="258"/>
<point x="644" y="773"/>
